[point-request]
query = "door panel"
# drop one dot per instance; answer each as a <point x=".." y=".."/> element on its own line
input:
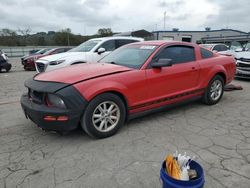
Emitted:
<point x="170" y="80"/>
<point x="96" y="57"/>
<point x="182" y="76"/>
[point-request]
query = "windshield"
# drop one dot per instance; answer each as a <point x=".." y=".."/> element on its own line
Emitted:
<point x="86" y="46"/>
<point x="235" y="45"/>
<point x="42" y="51"/>
<point x="247" y="46"/>
<point x="48" y="52"/>
<point x="132" y="56"/>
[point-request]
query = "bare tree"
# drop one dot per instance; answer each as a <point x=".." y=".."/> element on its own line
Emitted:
<point x="25" y="33"/>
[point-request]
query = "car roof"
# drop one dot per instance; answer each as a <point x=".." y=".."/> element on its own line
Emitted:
<point x="56" y="48"/>
<point x="213" y="44"/>
<point x="118" y="37"/>
<point x="163" y="42"/>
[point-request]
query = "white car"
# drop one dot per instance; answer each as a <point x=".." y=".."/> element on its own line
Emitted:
<point x="90" y="51"/>
<point x="241" y="54"/>
<point x="215" y="47"/>
<point x="243" y="64"/>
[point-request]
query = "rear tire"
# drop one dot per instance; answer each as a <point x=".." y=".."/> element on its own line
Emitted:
<point x="104" y="116"/>
<point x="214" y="91"/>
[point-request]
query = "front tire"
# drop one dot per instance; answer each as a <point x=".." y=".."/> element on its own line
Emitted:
<point x="8" y="68"/>
<point x="104" y="115"/>
<point x="214" y="91"/>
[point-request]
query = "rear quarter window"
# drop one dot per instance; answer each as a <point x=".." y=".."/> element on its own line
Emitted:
<point x="206" y="53"/>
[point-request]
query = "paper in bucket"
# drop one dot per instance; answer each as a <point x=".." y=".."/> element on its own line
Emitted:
<point x="179" y="171"/>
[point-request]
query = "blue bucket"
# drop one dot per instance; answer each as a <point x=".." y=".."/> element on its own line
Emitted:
<point x="169" y="182"/>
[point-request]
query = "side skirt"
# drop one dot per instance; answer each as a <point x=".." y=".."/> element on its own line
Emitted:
<point x="162" y="108"/>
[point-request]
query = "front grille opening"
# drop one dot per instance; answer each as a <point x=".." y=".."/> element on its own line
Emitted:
<point x="243" y="65"/>
<point x="40" y="67"/>
<point x="35" y="96"/>
<point x="245" y="59"/>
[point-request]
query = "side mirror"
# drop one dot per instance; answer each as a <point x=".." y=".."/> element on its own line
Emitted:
<point x="215" y="51"/>
<point x="101" y="50"/>
<point x="162" y="63"/>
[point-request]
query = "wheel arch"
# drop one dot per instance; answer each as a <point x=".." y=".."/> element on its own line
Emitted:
<point x="217" y="70"/>
<point x="223" y="75"/>
<point x="120" y="95"/>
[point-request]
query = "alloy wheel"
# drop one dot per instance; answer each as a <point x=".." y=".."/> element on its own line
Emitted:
<point x="216" y="90"/>
<point x="106" y="116"/>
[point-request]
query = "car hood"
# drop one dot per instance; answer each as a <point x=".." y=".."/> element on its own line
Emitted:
<point x="59" y="56"/>
<point x="80" y="72"/>
<point x="245" y="55"/>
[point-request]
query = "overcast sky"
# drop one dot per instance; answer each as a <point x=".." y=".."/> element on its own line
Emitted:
<point x="87" y="16"/>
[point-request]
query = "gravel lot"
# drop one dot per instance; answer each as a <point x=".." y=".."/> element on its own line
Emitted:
<point x="219" y="137"/>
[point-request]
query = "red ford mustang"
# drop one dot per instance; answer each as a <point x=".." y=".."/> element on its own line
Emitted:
<point x="133" y="80"/>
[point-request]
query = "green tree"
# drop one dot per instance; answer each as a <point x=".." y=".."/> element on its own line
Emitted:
<point x="25" y="33"/>
<point x="41" y="41"/>
<point x="104" y="32"/>
<point x="63" y="37"/>
<point x="8" y="37"/>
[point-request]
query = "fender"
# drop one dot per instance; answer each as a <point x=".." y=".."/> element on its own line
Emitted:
<point x="217" y="69"/>
<point x="89" y="90"/>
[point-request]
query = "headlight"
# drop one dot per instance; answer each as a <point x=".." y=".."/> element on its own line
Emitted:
<point x="54" y="100"/>
<point x="57" y="62"/>
<point x="33" y="59"/>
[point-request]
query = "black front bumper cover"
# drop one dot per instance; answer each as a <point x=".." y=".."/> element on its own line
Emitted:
<point x="36" y="111"/>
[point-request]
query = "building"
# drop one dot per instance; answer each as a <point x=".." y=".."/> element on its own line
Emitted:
<point x="206" y="36"/>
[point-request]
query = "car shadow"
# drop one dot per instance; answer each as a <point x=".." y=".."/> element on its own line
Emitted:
<point x="242" y="79"/>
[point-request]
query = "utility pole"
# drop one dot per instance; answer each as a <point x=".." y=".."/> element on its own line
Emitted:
<point x="68" y="38"/>
<point x="164" y="19"/>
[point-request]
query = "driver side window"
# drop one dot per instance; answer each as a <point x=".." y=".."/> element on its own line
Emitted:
<point x="178" y="54"/>
<point x="108" y="45"/>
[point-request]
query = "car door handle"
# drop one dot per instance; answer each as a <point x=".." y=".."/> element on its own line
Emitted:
<point x="194" y="69"/>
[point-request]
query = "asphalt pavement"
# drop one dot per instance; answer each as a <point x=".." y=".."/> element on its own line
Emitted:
<point x="219" y="137"/>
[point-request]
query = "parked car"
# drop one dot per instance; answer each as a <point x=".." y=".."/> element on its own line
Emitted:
<point x="246" y="47"/>
<point x="215" y="47"/>
<point x="243" y="64"/>
<point x="33" y="51"/>
<point x="4" y="64"/>
<point x="29" y="62"/>
<point x="89" y="51"/>
<point x="133" y="80"/>
<point x="241" y="54"/>
<point x="41" y="51"/>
